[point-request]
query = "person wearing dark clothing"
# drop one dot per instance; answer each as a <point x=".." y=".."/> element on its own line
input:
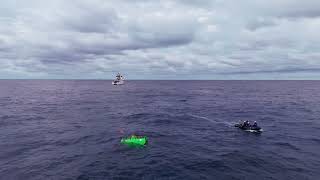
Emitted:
<point x="255" y="124"/>
<point x="245" y="124"/>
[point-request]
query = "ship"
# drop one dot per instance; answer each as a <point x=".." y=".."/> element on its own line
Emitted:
<point x="119" y="80"/>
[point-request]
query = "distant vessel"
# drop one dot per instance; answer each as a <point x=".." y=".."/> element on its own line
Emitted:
<point x="119" y="80"/>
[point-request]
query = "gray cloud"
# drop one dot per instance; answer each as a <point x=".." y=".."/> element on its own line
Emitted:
<point x="159" y="39"/>
<point x="260" y="23"/>
<point x="287" y="70"/>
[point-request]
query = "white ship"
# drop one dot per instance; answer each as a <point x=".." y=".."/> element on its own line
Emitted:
<point x="119" y="80"/>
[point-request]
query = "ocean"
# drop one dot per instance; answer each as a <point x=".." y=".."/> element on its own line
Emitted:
<point x="71" y="129"/>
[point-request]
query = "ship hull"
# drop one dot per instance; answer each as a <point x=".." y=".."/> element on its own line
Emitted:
<point x="117" y="83"/>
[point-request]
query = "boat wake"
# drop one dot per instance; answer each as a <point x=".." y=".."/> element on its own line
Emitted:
<point x="211" y="120"/>
<point x="254" y="131"/>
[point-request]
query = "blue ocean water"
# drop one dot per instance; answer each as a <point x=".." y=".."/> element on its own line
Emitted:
<point x="65" y="129"/>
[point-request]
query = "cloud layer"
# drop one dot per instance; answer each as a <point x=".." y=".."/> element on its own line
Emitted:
<point x="181" y="39"/>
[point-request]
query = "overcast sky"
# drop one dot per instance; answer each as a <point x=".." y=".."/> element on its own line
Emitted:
<point x="153" y="39"/>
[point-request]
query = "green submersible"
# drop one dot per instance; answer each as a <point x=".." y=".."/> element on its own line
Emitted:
<point x="135" y="140"/>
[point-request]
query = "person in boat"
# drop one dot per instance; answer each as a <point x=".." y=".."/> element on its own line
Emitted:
<point x="255" y="124"/>
<point x="243" y="124"/>
<point x="246" y="124"/>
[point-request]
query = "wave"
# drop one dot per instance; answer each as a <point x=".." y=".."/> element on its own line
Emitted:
<point x="66" y="142"/>
<point x="288" y="145"/>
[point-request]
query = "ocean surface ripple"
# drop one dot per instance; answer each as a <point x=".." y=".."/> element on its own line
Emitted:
<point x="71" y="129"/>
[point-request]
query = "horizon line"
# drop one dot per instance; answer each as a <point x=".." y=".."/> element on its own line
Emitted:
<point x="171" y="79"/>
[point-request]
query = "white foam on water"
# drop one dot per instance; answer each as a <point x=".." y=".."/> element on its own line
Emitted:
<point x="254" y="131"/>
